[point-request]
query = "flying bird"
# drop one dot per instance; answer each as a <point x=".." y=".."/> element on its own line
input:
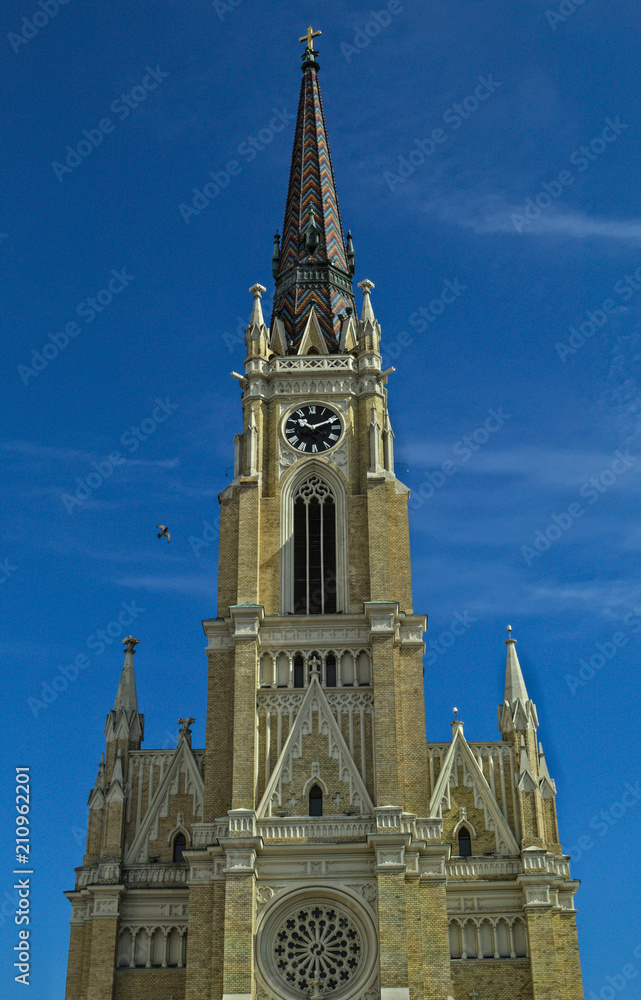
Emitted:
<point x="164" y="530"/>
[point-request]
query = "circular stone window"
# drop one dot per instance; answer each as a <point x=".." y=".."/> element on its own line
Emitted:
<point x="317" y="946"/>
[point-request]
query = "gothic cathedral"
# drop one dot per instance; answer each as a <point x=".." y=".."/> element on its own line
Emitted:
<point x="319" y="847"/>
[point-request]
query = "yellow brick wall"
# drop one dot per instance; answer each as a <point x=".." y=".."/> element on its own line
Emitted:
<point x="435" y="947"/>
<point x="149" y="984"/>
<point x="509" y="980"/>
<point x="204" y="936"/>
<point x="238" y="970"/>
<point x="104" y="936"/>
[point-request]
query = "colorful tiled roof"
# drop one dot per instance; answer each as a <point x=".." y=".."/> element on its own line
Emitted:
<point x="313" y="269"/>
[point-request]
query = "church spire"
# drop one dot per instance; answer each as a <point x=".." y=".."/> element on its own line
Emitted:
<point x="126" y="698"/>
<point x="517" y="711"/>
<point x="514" y="682"/>
<point x="312" y="230"/>
<point x="124" y="721"/>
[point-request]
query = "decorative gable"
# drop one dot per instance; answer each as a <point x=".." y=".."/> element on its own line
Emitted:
<point x="182" y="775"/>
<point x="315" y="753"/>
<point x="313" y="341"/>
<point x="458" y="756"/>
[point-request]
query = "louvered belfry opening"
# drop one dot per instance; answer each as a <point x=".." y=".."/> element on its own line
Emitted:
<point x="314" y="548"/>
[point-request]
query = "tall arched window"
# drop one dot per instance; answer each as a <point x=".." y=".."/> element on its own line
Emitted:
<point x="314" y="548"/>
<point x="299" y="672"/>
<point x="180" y="844"/>
<point x="464" y="842"/>
<point x="315" y="801"/>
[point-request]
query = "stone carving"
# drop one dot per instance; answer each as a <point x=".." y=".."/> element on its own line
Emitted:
<point x="264" y="893"/>
<point x="431" y="868"/>
<point x="365" y="889"/>
<point x="106" y="907"/>
<point x="390" y="858"/>
<point x="315" y="867"/>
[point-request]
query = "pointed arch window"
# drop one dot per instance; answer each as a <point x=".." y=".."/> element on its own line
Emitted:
<point x="315" y="801"/>
<point x="314" y="548"/>
<point x="180" y="843"/>
<point x="464" y="843"/>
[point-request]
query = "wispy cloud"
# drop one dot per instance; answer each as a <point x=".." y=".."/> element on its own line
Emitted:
<point x="200" y="584"/>
<point x="544" y="468"/>
<point x="487" y="213"/>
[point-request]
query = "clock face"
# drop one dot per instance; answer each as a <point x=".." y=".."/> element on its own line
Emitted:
<point x="313" y="428"/>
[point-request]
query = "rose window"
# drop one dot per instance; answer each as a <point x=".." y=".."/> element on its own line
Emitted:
<point x="317" y="946"/>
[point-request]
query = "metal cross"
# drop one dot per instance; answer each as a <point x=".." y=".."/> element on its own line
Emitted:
<point x="309" y="37"/>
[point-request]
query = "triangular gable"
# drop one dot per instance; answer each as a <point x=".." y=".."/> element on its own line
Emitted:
<point x="183" y="761"/>
<point x="316" y="701"/>
<point x="279" y="338"/>
<point x="547" y="788"/>
<point x="348" y="341"/>
<point x="494" y="818"/>
<point x="312" y="339"/>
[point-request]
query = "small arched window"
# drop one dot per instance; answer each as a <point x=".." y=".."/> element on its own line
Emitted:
<point x="464" y="843"/>
<point x="299" y="672"/>
<point x="180" y="843"/>
<point x="330" y="671"/>
<point x="315" y="801"/>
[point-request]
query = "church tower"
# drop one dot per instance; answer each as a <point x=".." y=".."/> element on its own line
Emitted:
<point x="319" y="847"/>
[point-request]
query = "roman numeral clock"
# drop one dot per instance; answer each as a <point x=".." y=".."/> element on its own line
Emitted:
<point x="313" y="428"/>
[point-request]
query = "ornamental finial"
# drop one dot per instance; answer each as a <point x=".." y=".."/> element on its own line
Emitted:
<point x="309" y="55"/>
<point x="309" y="37"/>
<point x="129" y="644"/>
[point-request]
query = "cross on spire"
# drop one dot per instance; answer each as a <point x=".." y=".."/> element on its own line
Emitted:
<point x="309" y="37"/>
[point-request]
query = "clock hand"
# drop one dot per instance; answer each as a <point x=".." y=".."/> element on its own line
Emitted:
<point x="323" y="422"/>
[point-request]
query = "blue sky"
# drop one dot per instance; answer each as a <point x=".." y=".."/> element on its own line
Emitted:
<point x="490" y="146"/>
